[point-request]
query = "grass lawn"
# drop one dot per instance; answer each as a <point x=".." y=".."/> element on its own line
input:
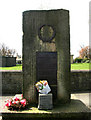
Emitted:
<point x="17" y="67"/>
<point x="75" y="66"/>
<point x="81" y="66"/>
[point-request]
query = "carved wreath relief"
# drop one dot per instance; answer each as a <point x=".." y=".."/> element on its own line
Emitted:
<point x="46" y="33"/>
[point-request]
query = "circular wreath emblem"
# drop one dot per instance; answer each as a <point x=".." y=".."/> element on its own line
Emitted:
<point x="46" y="33"/>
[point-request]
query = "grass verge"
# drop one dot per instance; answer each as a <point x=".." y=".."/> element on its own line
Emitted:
<point x="74" y="66"/>
<point x="17" y="67"/>
<point x="81" y="66"/>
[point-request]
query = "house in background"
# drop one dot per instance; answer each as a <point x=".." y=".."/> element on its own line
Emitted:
<point x="7" y="61"/>
<point x="18" y="60"/>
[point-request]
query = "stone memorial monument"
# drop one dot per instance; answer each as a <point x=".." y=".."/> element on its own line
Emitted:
<point x="46" y="56"/>
<point x="46" y="53"/>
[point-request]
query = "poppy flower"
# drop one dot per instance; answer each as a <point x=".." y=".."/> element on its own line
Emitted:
<point x="23" y="102"/>
<point x="8" y="103"/>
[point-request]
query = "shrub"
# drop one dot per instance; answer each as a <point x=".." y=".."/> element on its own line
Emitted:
<point x="84" y="60"/>
<point x="78" y="60"/>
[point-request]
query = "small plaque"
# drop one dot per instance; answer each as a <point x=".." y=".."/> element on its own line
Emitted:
<point x="45" y="102"/>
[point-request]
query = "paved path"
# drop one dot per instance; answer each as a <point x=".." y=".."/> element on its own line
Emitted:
<point x="84" y="97"/>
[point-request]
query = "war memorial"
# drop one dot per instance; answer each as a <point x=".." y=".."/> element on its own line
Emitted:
<point x="46" y="56"/>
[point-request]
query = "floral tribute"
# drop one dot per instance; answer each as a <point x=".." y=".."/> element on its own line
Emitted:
<point x="16" y="103"/>
<point x="43" y="87"/>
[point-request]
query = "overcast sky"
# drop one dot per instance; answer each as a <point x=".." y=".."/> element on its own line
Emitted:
<point x="11" y="20"/>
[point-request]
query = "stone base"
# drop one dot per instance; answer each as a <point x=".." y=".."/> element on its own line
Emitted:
<point x="75" y="110"/>
<point x="45" y="102"/>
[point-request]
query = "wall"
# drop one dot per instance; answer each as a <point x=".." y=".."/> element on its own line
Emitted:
<point x="10" y="61"/>
<point x="80" y="81"/>
<point x="12" y="81"/>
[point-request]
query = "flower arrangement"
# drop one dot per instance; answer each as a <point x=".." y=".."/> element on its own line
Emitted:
<point x="43" y="87"/>
<point x="17" y="103"/>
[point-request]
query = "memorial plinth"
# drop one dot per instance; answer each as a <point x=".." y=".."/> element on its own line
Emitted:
<point x="76" y="110"/>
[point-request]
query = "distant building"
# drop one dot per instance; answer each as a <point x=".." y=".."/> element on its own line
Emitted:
<point x="7" y="61"/>
<point x="18" y="60"/>
<point x="71" y="58"/>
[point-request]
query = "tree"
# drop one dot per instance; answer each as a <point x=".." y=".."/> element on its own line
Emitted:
<point x="5" y="51"/>
<point x="84" y="52"/>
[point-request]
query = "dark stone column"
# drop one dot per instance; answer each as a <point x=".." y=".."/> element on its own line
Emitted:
<point x="36" y="38"/>
<point x="63" y="50"/>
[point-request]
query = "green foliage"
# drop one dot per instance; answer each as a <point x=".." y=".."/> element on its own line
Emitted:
<point x="84" y="60"/>
<point x="78" y="60"/>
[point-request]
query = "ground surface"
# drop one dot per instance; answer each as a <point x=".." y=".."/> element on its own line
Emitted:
<point x="75" y="106"/>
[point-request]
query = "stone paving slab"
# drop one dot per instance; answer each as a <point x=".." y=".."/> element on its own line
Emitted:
<point x="84" y="97"/>
<point x="76" y="109"/>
